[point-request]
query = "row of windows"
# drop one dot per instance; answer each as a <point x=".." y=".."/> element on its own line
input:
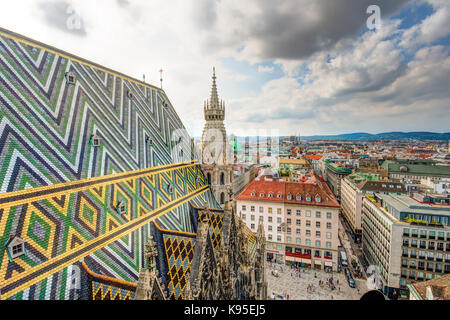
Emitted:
<point x="407" y="232"/>
<point x="288" y="211"/>
<point x="289" y="197"/>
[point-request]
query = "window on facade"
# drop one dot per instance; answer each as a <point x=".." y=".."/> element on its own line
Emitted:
<point x="318" y="214"/>
<point x="261" y="209"/>
<point x="269" y="228"/>
<point x="308" y="213"/>
<point x="17" y="250"/>
<point x="244" y="216"/>
<point x="288" y="239"/>
<point x="328" y="244"/>
<point x="261" y="218"/>
<point x="252" y="208"/>
<point x="279" y="220"/>
<point x="278" y="210"/>
<point x="298" y="222"/>
<point x="318" y="224"/>
<point x="317" y="233"/>
<point x="298" y="231"/>
<point x="299" y="198"/>
<point x="279" y="229"/>
<point x="269" y="237"/>
<point x="288" y="221"/>
<point x="298" y="212"/>
<point x="278" y="238"/>
<point x="269" y="219"/>
<point x="252" y="217"/>
<point x="288" y="230"/>
<point x="308" y="233"/>
<point x="288" y="211"/>
<point x="308" y="242"/>
<point x="328" y="215"/>
<point x="328" y="235"/>
<point x="252" y="226"/>
<point x="308" y="223"/>
<point x="297" y="240"/>
<point x="317" y="243"/>
<point x="328" y="225"/>
<point x="289" y="197"/>
<point x="244" y="208"/>
<point x="270" y="210"/>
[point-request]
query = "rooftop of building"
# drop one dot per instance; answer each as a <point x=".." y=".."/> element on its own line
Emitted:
<point x="313" y="191"/>
<point x="303" y="162"/>
<point x="438" y="287"/>
<point x="419" y="167"/>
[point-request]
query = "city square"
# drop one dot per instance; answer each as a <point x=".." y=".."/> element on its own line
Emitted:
<point x="289" y="282"/>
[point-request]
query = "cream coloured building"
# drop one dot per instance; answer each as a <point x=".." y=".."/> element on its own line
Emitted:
<point x="300" y="219"/>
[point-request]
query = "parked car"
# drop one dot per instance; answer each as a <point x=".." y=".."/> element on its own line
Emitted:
<point x="351" y="281"/>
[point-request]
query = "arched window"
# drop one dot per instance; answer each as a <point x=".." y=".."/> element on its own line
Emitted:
<point x="222" y="178"/>
<point x="208" y="176"/>
<point x="222" y="198"/>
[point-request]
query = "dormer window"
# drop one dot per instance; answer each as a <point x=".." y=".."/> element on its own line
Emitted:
<point x="280" y="195"/>
<point x="308" y="198"/>
<point x="130" y="94"/>
<point x="318" y="199"/>
<point x="289" y="197"/>
<point x="121" y="208"/>
<point x="15" y="247"/>
<point x="299" y="198"/>
<point x="270" y="195"/>
<point x="95" y="140"/>
<point x="70" y="78"/>
<point x="262" y="194"/>
<point x="253" y="194"/>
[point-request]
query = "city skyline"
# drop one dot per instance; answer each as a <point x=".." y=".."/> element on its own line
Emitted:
<point x="276" y="67"/>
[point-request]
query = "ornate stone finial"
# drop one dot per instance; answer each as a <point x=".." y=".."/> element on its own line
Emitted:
<point x="151" y="253"/>
<point x="214" y="99"/>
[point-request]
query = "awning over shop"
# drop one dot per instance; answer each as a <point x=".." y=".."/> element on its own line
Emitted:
<point x="328" y="263"/>
<point x="318" y="262"/>
<point x="308" y="261"/>
<point x="290" y="258"/>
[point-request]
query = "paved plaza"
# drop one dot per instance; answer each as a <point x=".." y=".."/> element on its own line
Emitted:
<point x="290" y="283"/>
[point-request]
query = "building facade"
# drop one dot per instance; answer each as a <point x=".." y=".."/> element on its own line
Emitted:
<point x="353" y="189"/>
<point x="300" y="220"/>
<point x="408" y="240"/>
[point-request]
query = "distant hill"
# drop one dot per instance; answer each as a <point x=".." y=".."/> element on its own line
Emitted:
<point x="368" y="136"/>
<point x="383" y="136"/>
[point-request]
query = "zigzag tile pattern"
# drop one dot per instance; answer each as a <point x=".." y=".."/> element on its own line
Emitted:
<point x="46" y="129"/>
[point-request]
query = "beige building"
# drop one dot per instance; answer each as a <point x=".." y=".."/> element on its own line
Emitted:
<point x="408" y="240"/>
<point x="353" y="189"/>
<point x="300" y="219"/>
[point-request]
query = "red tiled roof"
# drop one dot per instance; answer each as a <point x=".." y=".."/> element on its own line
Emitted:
<point x="313" y="156"/>
<point x="316" y="188"/>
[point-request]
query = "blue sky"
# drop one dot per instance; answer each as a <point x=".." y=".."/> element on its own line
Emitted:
<point x="297" y="66"/>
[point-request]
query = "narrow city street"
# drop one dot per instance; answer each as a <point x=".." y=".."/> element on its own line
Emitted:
<point x="352" y="249"/>
<point x="289" y="282"/>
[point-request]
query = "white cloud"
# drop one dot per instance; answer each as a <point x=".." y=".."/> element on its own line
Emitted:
<point x="365" y="87"/>
<point x="268" y="69"/>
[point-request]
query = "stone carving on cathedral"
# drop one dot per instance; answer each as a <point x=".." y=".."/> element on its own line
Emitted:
<point x="150" y="285"/>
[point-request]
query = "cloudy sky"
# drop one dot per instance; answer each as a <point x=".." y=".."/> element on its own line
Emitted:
<point x="295" y="66"/>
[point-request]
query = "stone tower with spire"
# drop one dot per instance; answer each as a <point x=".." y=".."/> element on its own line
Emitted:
<point x="216" y="154"/>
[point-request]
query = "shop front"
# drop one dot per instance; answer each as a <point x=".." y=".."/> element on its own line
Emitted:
<point x="318" y="264"/>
